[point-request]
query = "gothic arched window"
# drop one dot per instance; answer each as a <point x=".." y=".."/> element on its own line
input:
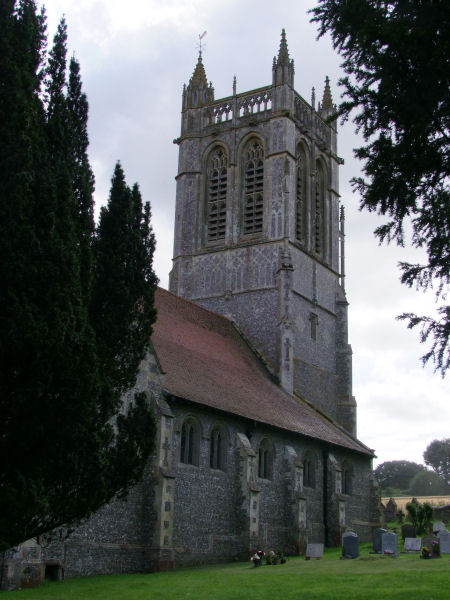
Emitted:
<point x="217" y="449"/>
<point x="216" y="195"/>
<point x="253" y="188"/>
<point x="189" y="447"/>
<point x="318" y="242"/>
<point x="346" y="478"/>
<point x="265" y="459"/>
<point x="301" y="208"/>
<point x="309" y="470"/>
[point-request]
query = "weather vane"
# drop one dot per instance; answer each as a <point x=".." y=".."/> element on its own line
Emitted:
<point x="200" y="37"/>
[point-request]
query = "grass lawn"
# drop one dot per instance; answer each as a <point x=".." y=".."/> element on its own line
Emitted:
<point x="369" y="577"/>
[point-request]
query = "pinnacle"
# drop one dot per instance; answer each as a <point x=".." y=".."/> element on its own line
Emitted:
<point x="199" y="76"/>
<point x="283" y="53"/>
<point x="327" y="100"/>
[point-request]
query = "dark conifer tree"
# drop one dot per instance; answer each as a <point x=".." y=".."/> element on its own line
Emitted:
<point x="83" y="177"/>
<point x="397" y="88"/>
<point x="122" y="309"/>
<point x="23" y="184"/>
<point x="64" y="452"/>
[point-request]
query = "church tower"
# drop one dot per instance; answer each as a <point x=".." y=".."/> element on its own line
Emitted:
<point x="259" y="230"/>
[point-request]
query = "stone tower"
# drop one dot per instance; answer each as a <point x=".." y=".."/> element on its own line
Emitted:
<point x="259" y="231"/>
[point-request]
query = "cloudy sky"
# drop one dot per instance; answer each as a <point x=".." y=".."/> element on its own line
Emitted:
<point x="135" y="57"/>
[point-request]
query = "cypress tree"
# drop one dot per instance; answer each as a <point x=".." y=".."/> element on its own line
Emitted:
<point x="64" y="451"/>
<point x="83" y="177"/>
<point x="122" y="308"/>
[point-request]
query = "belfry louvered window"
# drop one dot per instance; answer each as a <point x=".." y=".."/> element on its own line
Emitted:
<point x="217" y="195"/>
<point x="319" y="213"/>
<point x="253" y="188"/>
<point x="301" y="199"/>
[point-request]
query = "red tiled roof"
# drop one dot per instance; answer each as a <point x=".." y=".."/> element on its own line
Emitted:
<point x="206" y="361"/>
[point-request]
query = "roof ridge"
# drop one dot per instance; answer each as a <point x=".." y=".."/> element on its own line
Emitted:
<point x="333" y="422"/>
<point x="199" y="306"/>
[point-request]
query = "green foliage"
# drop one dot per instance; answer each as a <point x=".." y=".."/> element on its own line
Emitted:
<point x="64" y="449"/>
<point x="437" y="456"/>
<point x="427" y="483"/>
<point x="420" y="515"/>
<point x="397" y="85"/>
<point x="122" y="305"/>
<point x="396" y="475"/>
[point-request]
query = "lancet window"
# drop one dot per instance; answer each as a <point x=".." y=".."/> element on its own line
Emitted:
<point x="217" y="195"/>
<point x="301" y="224"/>
<point x="253" y="188"/>
<point x="217" y="449"/>
<point x="265" y="459"/>
<point x="346" y="478"/>
<point x="189" y="448"/>
<point x="309" y="470"/>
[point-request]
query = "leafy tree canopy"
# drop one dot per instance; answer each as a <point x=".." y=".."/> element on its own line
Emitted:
<point x="437" y="456"/>
<point x="397" y="473"/>
<point x="397" y="85"/>
<point x="427" y="483"/>
<point x="76" y="301"/>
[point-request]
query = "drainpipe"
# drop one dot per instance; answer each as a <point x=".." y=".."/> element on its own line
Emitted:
<point x="325" y="455"/>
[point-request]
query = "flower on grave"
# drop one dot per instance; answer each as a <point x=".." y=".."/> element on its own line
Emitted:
<point x="257" y="557"/>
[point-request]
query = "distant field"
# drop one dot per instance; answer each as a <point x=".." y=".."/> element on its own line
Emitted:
<point x="402" y="501"/>
<point x="370" y="577"/>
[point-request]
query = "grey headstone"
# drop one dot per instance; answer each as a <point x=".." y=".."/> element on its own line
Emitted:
<point x="377" y="539"/>
<point x="413" y="544"/>
<point x="350" y="544"/>
<point x="408" y="531"/>
<point x="444" y="541"/>
<point x="389" y="543"/>
<point x="438" y="526"/>
<point x="314" y="551"/>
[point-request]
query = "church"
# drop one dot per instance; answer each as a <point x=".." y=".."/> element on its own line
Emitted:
<point x="250" y="369"/>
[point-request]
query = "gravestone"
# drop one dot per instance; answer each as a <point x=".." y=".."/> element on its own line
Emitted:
<point x="314" y="551"/>
<point x="390" y="512"/>
<point x="377" y="539"/>
<point x="389" y="543"/>
<point x="438" y="526"/>
<point x="413" y="544"/>
<point x="408" y="531"/>
<point x="350" y="545"/>
<point x="431" y="542"/>
<point x="444" y="541"/>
